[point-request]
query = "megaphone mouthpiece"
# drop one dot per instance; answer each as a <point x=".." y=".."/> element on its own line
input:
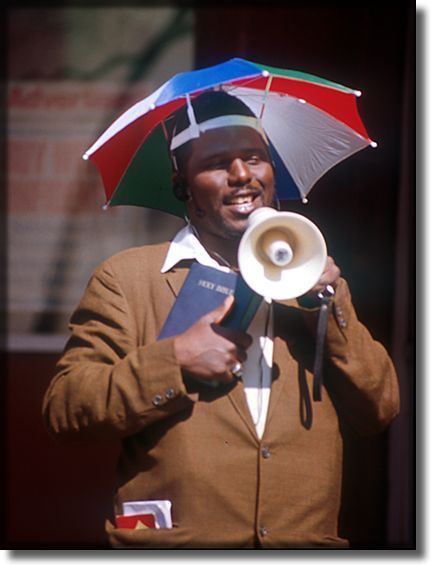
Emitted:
<point x="276" y="248"/>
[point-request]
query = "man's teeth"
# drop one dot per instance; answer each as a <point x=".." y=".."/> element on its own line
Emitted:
<point x="242" y="200"/>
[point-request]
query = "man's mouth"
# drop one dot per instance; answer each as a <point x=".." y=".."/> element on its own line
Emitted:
<point x="243" y="203"/>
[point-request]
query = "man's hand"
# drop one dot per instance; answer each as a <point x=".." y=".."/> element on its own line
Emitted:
<point x="208" y="351"/>
<point x="330" y="276"/>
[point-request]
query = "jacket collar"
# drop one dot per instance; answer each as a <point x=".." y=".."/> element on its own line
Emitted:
<point x="186" y="245"/>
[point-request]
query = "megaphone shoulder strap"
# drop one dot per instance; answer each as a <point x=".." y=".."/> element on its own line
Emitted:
<point x="325" y="299"/>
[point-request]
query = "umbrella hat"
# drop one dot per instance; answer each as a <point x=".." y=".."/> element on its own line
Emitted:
<point x="311" y="124"/>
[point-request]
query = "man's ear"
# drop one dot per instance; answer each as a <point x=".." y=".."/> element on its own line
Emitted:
<point x="180" y="187"/>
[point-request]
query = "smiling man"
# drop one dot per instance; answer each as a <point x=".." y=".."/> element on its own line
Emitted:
<point x="251" y="462"/>
<point x="226" y="172"/>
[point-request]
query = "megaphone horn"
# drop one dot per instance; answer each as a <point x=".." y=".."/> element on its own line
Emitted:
<point x="281" y="254"/>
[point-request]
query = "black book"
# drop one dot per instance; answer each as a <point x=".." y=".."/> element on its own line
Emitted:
<point x="204" y="289"/>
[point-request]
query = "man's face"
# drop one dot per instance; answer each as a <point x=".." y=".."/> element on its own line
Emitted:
<point x="229" y="174"/>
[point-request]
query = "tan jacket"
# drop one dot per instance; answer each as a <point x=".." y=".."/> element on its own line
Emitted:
<point x="197" y="446"/>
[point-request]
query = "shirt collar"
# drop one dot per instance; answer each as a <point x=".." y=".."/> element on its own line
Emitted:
<point x="186" y="245"/>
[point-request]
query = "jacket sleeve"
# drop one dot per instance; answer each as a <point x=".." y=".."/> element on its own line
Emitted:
<point x="106" y="384"/>
<point x="358" y="371"/>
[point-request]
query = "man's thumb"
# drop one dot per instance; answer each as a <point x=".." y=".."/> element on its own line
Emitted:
<point x="217" y="315"/>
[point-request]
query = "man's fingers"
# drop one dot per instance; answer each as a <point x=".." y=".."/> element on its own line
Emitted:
<point x="210" y="351"/>
<point x="217" y="315"/>
<point x="330" y="275"/>
<point x="238" y="337"/>
<point x="241" y="354"/>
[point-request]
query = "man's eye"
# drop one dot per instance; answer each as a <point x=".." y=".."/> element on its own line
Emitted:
<point x="253" y="160"/>
<point x="219" y="164"/>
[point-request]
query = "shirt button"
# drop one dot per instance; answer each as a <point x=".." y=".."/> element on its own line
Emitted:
<point x="266" y="452"/>
<point x="170" y="393"/>
<point x="263" y="531"/>
<point x="157" y="400"/>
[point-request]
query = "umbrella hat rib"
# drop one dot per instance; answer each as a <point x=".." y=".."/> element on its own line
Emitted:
<point x="209" y="77"/>
<point x="339" y="104"/>
<point x="144" y="184"/>
<point x="129" y="116"/>
<point x="298" y="75"/>
<point x="115" y="155"/>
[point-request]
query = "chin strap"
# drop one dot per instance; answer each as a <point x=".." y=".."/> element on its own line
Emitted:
<point x="325" y="298"/>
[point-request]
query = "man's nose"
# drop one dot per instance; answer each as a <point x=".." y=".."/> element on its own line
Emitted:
<point x="239" y="172"/>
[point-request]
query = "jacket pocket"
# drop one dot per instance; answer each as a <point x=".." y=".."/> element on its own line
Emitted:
<point x="151" y="538"/>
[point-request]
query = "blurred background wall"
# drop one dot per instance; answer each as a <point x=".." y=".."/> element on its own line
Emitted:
<point x="71" y="71"/>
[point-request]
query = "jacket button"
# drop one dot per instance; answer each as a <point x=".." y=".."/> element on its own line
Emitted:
<point x="266" y="452"/>
<point x="340" y="319"/>
<point x="170" y="393"/>
<point x="157" y="400"/>
<point x="263" y="531"/>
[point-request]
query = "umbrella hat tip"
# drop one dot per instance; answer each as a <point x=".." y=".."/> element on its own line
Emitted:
<point x="358" y="93"/>
<point x="85" y="156"/>
<point x="373" y="144"/>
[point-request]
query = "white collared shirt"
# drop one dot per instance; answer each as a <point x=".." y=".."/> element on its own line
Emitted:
<point x="257" y="368"/>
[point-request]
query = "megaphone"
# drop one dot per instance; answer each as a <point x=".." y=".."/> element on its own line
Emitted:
<point x="281" y="254"/>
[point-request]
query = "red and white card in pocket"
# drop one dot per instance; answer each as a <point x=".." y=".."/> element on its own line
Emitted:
<point x="143" y="514"/>
<point x="136" y="522"/>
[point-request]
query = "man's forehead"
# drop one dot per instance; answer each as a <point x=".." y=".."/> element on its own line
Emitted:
<point x="227" y="139"/>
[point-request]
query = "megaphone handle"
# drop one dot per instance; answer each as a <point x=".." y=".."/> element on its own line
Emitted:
<point x="325" y="298"/>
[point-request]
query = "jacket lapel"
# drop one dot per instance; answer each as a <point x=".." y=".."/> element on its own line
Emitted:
<point x="280" y="372"/>
<point x="279" y="376"/>
<point x="238" y="399"/>
<point x="283" y="365"/>
<point x="175" y="277"/>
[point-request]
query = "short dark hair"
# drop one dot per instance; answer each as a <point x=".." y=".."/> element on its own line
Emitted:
<point x="208" y="105"/>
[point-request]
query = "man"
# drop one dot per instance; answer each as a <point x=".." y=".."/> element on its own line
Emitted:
<point x="251" y="462"/>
